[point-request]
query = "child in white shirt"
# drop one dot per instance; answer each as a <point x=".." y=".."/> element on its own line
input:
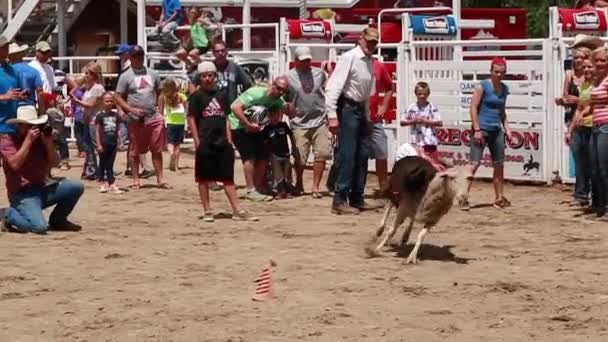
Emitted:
<point x="424" y="118"/>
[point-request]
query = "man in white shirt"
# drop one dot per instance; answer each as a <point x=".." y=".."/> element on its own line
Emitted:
<point x="40" y="63"/>
<point x="346" y="103"/>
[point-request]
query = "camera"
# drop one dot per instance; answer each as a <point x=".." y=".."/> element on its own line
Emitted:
<point x="46" y="128"/>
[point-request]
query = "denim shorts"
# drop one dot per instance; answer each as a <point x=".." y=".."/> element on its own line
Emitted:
<point x="175" y="134"/>
<point x="378" y="142"/>
<point x="495" y="141"/>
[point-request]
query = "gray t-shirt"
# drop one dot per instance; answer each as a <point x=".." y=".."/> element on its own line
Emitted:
<point x="306" y="88"/>
<point x="140" y="87"/>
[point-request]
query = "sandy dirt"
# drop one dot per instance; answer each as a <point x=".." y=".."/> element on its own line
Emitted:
<point x="145" y="268"/>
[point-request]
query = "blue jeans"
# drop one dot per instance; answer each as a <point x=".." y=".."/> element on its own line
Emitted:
<point x="352" y="154"/>
<point x="25" y="212"/>
<point x="581" y="149"/>
<point x="599" y="168"/>
<point x="88" y="140"/>
<point x="79" y="128"/>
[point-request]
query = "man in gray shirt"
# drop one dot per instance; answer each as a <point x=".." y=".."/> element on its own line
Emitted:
<point x="139" y="86"/>
<point x="309" y="121"/>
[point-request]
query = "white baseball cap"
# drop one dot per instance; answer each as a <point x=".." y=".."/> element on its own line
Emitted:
<point x="302" y="53"/>
<point x="206" y="66"/>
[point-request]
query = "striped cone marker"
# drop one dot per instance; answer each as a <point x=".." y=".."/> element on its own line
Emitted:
<point x="263" y="290"/>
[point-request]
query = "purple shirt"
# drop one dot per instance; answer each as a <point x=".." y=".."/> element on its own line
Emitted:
<point x="33" y="172"/>
<point x="77" y="109"/>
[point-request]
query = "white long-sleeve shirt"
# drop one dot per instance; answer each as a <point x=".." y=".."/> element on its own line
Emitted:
<point x="47" y="74"/>
<point x="352" y="77"/>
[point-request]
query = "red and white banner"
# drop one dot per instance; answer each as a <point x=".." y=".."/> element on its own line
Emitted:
<point x="309" y="29"/>
<point x="582" y="20"/>
<point x="523" y="152"/>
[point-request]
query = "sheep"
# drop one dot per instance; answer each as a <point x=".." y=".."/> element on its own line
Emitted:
<point x="420" y="193"/>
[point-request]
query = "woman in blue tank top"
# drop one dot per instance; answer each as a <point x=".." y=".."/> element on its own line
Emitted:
<point x="489" y="121"/>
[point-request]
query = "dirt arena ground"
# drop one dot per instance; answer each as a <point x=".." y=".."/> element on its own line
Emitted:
<point x="145" y="268"/>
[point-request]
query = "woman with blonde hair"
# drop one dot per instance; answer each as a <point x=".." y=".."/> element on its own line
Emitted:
<point x="599" y="137"/>
<point x="172" y="104"/>
<point x="578" y="139"/>
<point x="93" y="82"/>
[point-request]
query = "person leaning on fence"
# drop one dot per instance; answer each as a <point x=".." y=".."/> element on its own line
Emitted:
<point x="599" y="137"/>
<point x="490" y="128"/>
<point x="578" y="137"/>
<point x="346" y="100"/>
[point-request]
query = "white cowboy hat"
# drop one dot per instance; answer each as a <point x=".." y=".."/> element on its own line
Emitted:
<point x="28" y="115"/>
<point x="14" y="48"/>
<point x="585" y="40"/>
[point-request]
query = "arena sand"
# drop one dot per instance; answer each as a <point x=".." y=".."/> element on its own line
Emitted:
<point x="145" y="268"/>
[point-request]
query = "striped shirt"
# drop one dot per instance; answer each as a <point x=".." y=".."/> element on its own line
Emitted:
<point x="599" y="100"/>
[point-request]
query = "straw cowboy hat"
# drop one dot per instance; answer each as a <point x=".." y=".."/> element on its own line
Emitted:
<point x="28" y="115"/>
<point x="14" y="48"/>
<point x="584" y="40"/>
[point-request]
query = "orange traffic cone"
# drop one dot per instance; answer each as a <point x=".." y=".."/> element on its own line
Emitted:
<point x="263" y="290"/>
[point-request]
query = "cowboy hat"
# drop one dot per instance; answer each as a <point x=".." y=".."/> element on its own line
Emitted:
<point x="584" y="40"/>
<point x="28" y="115"/>
<point x="14" y="48"/>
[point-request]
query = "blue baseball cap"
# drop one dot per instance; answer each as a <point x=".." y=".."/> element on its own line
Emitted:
<point x="124" y="48"/>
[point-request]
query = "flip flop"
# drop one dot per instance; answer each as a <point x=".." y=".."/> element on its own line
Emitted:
<point x="164" y="186"/>
<point x="135" y="186"/>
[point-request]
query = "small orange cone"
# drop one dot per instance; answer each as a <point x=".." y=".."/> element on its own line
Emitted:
<point x="263" y="290"/>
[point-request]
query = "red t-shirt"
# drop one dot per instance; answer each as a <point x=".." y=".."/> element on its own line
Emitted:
<point x="33" y="172"/>
<point x="384" y="83"/>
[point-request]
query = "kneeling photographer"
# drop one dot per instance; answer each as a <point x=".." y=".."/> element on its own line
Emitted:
<point x="27" y="157"/>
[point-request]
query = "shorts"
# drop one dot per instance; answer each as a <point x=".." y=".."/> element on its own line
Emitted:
<point x="147" y="136"/>
<point x="250" y="145"/>
<point x="175" y="134"/>
<point x="317" y="138"/>
<point x="214" y="164"/>
<point x="378" y="143"/>
<point x="495" y="141"/>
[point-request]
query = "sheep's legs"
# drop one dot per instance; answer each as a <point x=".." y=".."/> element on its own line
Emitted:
<point x="401" y="215"/>
<point x="387" y="212"/>
<point x="406" y="233"/>
<point x="413" y="257"/>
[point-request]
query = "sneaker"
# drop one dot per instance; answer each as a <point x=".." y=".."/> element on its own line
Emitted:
<point x="103" y="188"/>
<point x="244" y="215"/>
<point x="208" y="217"/>
<point x="66" y="226"/>
<point x="215" y="187"/>
<point x="146" y="174"/>
<point x="114" y="189"/>
<point x="255" y="196"/>
<point x="343" y="209"/>
<point x="9" y="228"/>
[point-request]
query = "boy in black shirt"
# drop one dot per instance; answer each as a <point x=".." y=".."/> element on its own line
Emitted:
<point x="276" y="133"/>
<point x="207" y="110"/>
<point x="106" y="124"/>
